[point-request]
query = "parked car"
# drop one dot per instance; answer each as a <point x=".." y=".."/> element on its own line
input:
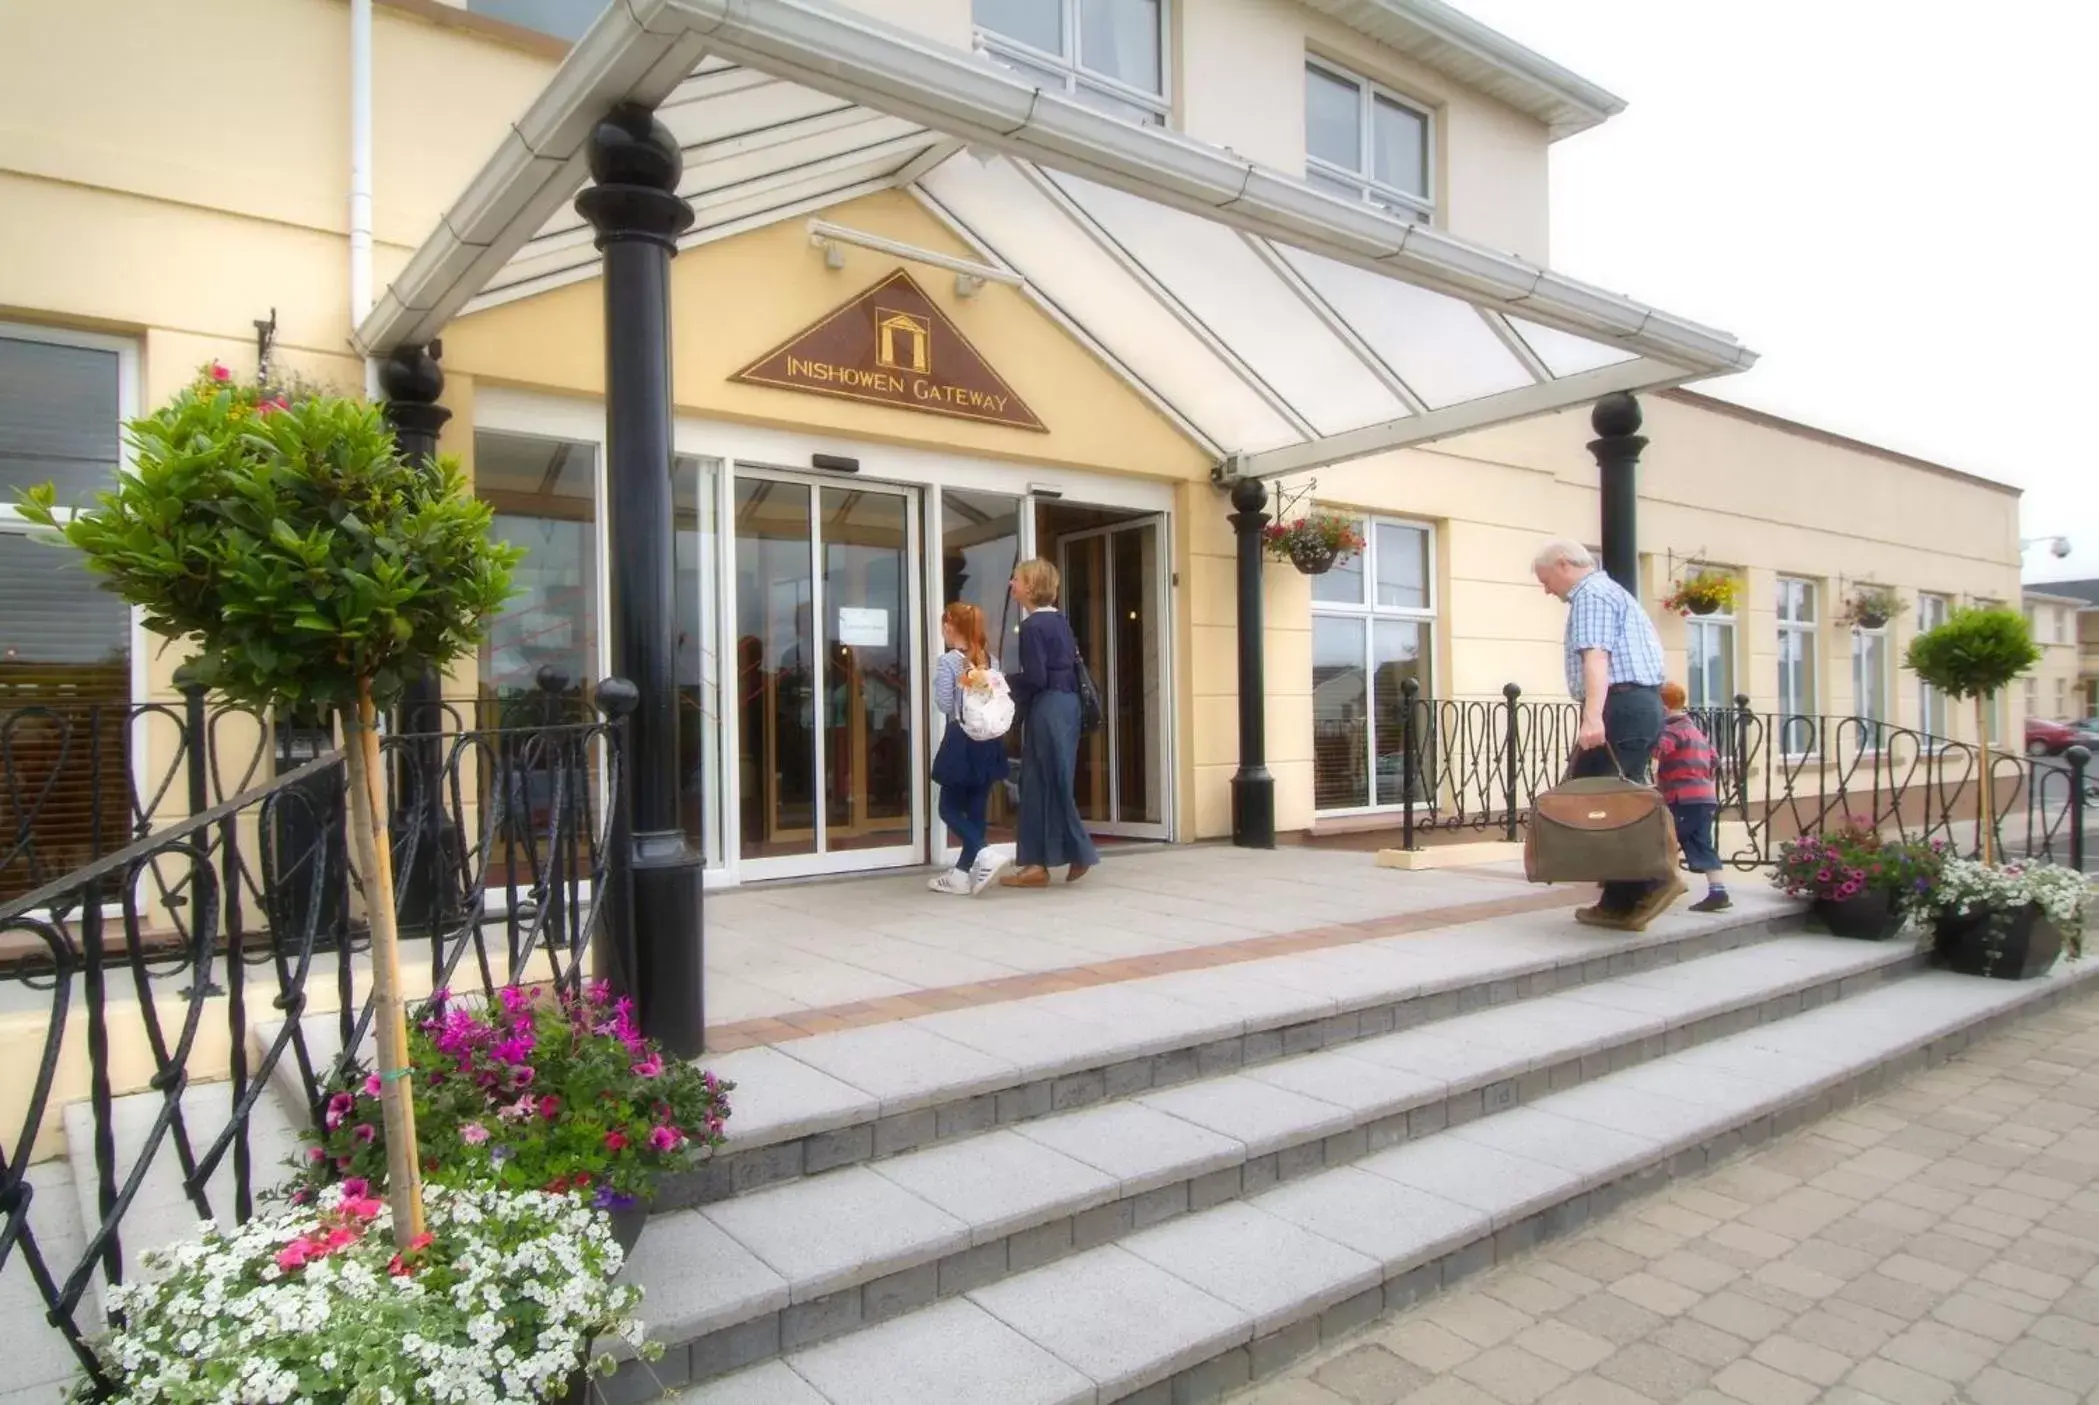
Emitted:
<point x="2054" y="738"/>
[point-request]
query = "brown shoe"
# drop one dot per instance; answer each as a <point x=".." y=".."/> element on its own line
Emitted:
<point x="1026" y="878"/>
<point x="1076" y="872"/>
<point x="1656" y="903"/>
<point x="1597" y="917"/>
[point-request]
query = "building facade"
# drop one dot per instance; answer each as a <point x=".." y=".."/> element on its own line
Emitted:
<point x="899" y="366"/>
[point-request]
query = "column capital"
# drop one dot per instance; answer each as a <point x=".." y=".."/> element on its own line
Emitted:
<point x="412" y="381"/>
<point x="635" y="164"/>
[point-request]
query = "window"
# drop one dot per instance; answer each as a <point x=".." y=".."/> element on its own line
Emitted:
<point x="1796" y="665"/>
<point x="1108" y="54"/>
<point x="2061" y="632"/>
<point x="65" y="643"/>
<point x="1373" y="628"/>
<point x="1364" y="142"/>
<point x="2062" y="699"/>
<point x="564" y="19"/>
<point x="1931" y="703"/>
<point x="544" y="492"/>
<point x="1869" y="684"/>
<point x="1709" y="654"/>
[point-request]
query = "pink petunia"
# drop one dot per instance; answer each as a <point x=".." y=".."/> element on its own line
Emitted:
<point x="665" y="1139"/>
<point x="372" y="1086"/>
<point x="366" y="1133"/>
<point x="292" y="1255"/>
<point x="473" y="1133"/>
<point x="615" y="1141"/>
<point x="356" y="1188"/>
<point x="362" y="1207"/>
<point x="220" y="373"/>
<point x="650" y="1067"/>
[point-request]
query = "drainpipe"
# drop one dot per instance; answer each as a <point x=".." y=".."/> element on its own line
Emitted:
<point x="361" y="178"/>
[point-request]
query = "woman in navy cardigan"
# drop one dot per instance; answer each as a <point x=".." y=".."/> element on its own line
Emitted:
<point x="1046" y="701"/>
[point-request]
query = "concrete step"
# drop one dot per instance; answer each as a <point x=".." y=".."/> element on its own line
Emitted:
<point x="858" y="1095"/>
<point x="861" y="1095"/>
<point x="1187" y="1310"/>
<point x="786" y="1267"/>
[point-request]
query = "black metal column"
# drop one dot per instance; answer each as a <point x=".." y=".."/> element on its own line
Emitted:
<point x="412" y="382"/>
<point x="1253" y="789"/>
<point x="1616" y="420"/>
<point x="634" y="165"/>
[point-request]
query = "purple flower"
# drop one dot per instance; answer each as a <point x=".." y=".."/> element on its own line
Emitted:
<point x="609" y="1199"/>
<point x="650" y="1067"/>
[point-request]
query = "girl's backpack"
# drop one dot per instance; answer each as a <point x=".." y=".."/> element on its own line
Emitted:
<point x="987" y="709"/>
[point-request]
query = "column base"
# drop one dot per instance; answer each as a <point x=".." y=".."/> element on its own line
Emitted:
<point x="1253" y="808"/>
<point x="670" y="979"/>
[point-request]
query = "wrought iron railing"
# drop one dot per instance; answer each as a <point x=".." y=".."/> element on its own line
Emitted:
<point x="203" y="932"/>
<point x="1477" y="764"/>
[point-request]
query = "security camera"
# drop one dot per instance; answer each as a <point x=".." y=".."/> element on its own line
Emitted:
<point x="2061" y="548"/>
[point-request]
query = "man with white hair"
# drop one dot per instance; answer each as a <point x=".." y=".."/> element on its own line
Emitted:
<point x="1615" y="672"/>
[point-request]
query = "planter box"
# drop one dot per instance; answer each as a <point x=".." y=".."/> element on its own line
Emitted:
<point x="1870" y="917"/>
<point x="2029" y="945"/>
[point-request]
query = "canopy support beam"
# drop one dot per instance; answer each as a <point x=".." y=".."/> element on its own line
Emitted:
<point x="1253" y="788"/>
<point x="1617" y="446"/>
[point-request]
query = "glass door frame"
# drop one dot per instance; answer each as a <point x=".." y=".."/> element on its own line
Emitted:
<point x="1105" y="671"/>
<point x="910" y="641"/>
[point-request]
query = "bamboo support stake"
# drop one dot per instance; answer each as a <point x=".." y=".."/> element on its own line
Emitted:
<point x="1984" y="799"/>
<point x="404" y="1181"/>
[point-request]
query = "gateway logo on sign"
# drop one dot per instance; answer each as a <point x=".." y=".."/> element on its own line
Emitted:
<point x="891" y="346"/>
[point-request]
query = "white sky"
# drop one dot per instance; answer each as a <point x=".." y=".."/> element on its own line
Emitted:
<point x="1888" y="199"/>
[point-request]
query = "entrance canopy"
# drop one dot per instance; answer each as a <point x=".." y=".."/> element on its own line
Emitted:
<point x="1281" y="326"/>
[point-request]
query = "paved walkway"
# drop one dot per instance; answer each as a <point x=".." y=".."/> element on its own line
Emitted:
<point x="1939" y="1243"/>
<point x="784" y="961"/>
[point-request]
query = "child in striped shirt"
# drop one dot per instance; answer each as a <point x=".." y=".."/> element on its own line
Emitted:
<point x="1683" y="770"/>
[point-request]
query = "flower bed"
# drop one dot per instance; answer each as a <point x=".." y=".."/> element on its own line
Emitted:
<point x="1860" y="884"/>
<point x="537" y="1090"/>
<point x="497" y="1302"/>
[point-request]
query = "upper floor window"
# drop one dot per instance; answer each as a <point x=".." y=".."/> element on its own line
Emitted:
<point x="1363" y="141"/>
<point x="564" y="19"/>
<point x="1108" y="54"/>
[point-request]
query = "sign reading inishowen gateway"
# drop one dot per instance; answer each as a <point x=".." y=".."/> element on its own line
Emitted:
<point x="891" y="346"/>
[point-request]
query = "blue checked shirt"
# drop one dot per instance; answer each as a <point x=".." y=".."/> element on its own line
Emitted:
<point x="1602" y="615"/>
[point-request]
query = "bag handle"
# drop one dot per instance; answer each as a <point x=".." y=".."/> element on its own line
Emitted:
<point x="1616" y="764"/>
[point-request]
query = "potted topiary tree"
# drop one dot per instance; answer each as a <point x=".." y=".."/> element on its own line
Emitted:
<point x="283" y="537"/>
<point x="2011" y="919"/>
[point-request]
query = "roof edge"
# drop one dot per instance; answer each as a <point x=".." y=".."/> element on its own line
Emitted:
<point x="1559" y="97"/>
<point x="1832" y="438"/>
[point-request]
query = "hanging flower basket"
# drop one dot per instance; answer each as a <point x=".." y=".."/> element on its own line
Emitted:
<point x="1872" y="606"/>
<point x="1315" y="543"/>
<point x="1704" y="593"/>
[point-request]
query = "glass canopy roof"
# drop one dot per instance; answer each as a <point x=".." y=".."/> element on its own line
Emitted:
<point x="1281" y="327"/>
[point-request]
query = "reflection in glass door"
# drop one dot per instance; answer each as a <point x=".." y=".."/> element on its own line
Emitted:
<point x="826" y="675"/>
<point x="1114" y="595"/>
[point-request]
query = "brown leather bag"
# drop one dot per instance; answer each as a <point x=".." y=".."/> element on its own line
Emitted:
<point x="1599" y="829"/>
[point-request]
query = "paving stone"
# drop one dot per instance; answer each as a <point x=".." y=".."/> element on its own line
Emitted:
<point x="1997" y="1386"/>
<point x="773" y="1383"/>
<point x="1397" y="1225"/>
<point x="1478" y="1319"/>
<point x="1564" y="1346"/>
<point x="1754" y="1382"/>
<point x="999" y="1182"/>
<point x="1263" y="1117"/>
<point x="1123" y="1322"/>
<point x="1141" y="1147"/>
<point x="779" y="1097"/>
<point x="1898" y="1385"/>
<point x="1709" y="1346"/>
<point x="838" y="1229"/>
<point x="1512" y="1374"/>
<point x="1653" y="1371"/>
<point x="953" y="1353"/>
<point x="1256" y="1261"/>
<point x="903" y="1066"/>
<point x="1741" y="1316"/>
<point x="1370" y="1375"/>
<point x="699" y="1278"/>
<point x="1505" y="1187"/>
<point x="1802" y="1359"/>
<point x="1657" y="1295"/>
<point x="1611" y="1318"/>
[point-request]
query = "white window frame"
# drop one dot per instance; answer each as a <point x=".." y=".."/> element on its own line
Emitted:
<point x="13" y="523"/>
<point x="1695" y="626"/>
<point x="1370" y="613"/>
<point x="1930" y="699"/>
<point x="1810" y="634"/>
<point x="1077" y="77"/>
<point x="1880" y="725"/>
<point x="1376" y="192"/>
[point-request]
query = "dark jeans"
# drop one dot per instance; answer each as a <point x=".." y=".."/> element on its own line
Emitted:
<point x="1696" y="836"/>
<point x="962" y="809"/>
<point x="1632" y="723"/>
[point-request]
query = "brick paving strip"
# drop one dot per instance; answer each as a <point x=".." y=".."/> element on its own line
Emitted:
<point x="722" y="1039"/>
<point x="1938" y="1243"/>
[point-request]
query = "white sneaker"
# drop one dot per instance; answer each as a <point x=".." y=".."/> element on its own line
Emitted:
<point x="954" y="882"/>
<point x="985" y="871"/>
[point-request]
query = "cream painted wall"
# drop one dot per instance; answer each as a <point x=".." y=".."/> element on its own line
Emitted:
<point x="1241" y="85"/>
